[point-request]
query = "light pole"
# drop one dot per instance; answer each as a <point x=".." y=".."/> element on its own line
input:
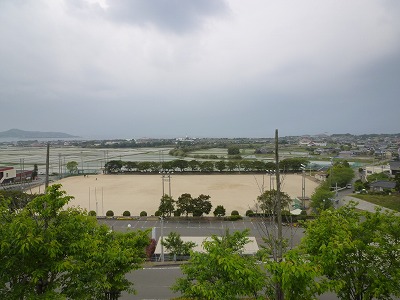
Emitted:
<point x="166" y="177"/>
<point x="270" y="172"/>
<point x="303" y="186"/>
<point x="162" y="239"/>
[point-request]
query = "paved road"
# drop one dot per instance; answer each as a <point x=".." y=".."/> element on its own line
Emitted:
<point x="206" y="227"/>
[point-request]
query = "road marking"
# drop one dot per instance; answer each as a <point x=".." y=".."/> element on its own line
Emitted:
<point x="144" y="224"/>
<point x="162" y="268"/>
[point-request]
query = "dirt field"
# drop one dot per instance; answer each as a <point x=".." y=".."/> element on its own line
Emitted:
<point x="138" y="193"/>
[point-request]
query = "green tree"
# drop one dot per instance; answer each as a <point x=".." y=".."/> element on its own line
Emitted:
<point x="51" y="252"/>
<point x="321" y="198"/>
<point x="72" y="167"/>
<point x="297" y="277"/>
<point x="341" y="174"/>
<point x="220" y="165"/>
<point x="219" y="211"/>
<point x="268" y="204"/>
<point x="130" y="165"/>
<point x="35" y="171"/>
<point x="176" y="246"/>
<point x="201" y="205"/>
<point x="180" y="164"/>
<point x="193" y="165"/>
<point x="222" y="272"/>
<point x="258" y="165"/>
<point x="185" y="204"/>
<point x="357" y="252"/>
<point x="233" y="150"/>
<point x="231" y="165"/>
<point x="293" y="164"/>
<point x="114" y="166"/>
<point x="377" y="177"/>
<point x="144" y="166"/>
<point x="207" y="166"/>
<point x="247" y="165"/>
<point x="166" y="207"/>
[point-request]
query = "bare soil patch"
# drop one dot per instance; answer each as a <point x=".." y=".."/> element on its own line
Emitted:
<point x="138" y="193"/>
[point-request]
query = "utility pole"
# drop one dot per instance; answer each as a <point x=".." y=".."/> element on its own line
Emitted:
<point x="278" y="288"/>
<point x="46" y="182"/>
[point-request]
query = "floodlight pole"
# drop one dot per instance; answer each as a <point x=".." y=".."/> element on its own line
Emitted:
<point x="46" y="182"/>
<point x="162" y="239"/>
<point x="279" y="292"/>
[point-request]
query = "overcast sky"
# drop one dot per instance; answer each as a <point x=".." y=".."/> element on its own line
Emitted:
<point x="201" y="68"/>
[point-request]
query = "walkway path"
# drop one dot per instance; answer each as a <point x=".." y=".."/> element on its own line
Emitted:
<point x="362" y="205"/>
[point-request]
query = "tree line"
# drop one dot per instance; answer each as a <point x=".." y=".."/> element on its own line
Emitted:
<point x="181" y="165"/>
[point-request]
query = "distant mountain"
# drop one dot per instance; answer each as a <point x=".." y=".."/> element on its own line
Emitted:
<point x="17" y="133"/>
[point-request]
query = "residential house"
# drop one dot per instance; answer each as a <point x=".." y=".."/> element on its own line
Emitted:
<point x="380" y="186"/>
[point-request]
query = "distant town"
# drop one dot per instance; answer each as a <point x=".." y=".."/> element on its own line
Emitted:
<point x="385" y="146"/>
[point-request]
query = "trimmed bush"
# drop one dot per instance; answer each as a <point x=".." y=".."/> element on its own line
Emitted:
<point x="110" y="213"/>
<point x="143" y="214"/>
<point x="126" y="213"/>
<point x="249" y="213"/>
<point x="234" y="213"/>
<point x="233" y="218"/>
<point x="92" y="213"/>
<point x="157" y="213"/>
<point x="177" y="213"/>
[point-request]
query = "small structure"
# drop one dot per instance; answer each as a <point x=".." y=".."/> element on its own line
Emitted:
<point x="250" y="248"/>
<point x="394" y="167"/>
<point x="23" y="175"/>
<point x="380" y="186"/>
<point x="7" y="175"/>
<point x="369" y="170"/>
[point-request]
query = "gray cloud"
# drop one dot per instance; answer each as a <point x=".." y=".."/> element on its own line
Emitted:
<point x="170" y="15"/>
<point x="201" y="68"/>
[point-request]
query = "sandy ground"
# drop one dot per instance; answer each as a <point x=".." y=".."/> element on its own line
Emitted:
<point x="138" y="193"/>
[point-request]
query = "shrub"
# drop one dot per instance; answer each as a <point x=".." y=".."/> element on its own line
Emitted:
<point x="157" y="213"/>
<point x="110" y="213"/>
<point x="233" y="218"/>
<point x="126" y="213"/>
<point x="92" y="213"/>
<point x="143" y="214"/>
<point x="303" y="215"/>
<point x="219" y="211"/>
<point x="234" y="213"/>
<point x="177" y="213"/>
<point x="249" y="213"/>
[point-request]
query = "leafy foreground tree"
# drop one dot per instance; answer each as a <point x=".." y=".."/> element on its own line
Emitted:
<point x="296" y="277"/>
<point x="222" y="272"/>
<point x="357" y="252"/>
<point x="51" y="252"/>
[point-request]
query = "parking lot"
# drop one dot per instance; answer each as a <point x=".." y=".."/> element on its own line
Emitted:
<point x="206" y="227"/>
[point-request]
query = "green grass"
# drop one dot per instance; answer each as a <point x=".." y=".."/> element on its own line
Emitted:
<point x="388" y="201"/>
